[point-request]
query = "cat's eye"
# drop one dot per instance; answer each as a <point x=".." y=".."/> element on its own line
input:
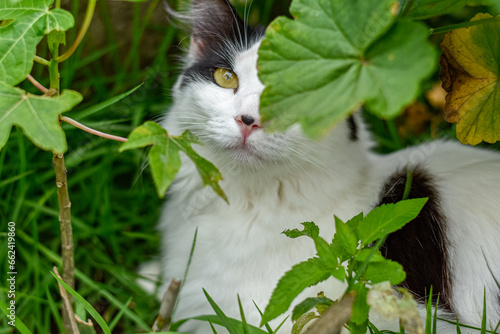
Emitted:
<point x="226" y="78"/>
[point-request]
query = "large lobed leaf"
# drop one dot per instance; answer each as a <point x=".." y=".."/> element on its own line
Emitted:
<point x="336" y="55"/>
<point x="470" y="73"/>
<point x="37" y="116"/>
<point x="164" y="156"/>
<point x="18" y="40"/>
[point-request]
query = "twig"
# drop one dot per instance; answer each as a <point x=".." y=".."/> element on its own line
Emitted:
<point x="332" y="321"/>
<point x="67" y="306"/>
<point x="81" y="34"/>
<point x="164" y="319"/>
<point x="66" y="233"/>
<point x="37" y="84"/>
<point x="92" y="131"/>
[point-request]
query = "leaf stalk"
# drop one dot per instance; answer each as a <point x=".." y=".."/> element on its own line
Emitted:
<point x="89" y="14"/>
<point x="90" y="130"/>
<point x="445" y="29"/>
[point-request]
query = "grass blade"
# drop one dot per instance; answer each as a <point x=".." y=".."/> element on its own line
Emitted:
<point x="231" y="328"/>
<point x="483" y="321"/>
<point x="20" y="326"/>
<point x="428" y="317"/>
<point x="243" y="320"/>
<point x="212" y="326"/>
<point x="269" y="329"/>
<point x="97" y="317"/>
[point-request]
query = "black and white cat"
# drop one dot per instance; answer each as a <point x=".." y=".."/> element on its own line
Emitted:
<point x="275" y="181"/>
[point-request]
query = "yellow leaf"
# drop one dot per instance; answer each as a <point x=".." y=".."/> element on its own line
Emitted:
<point x="470" y="73"/>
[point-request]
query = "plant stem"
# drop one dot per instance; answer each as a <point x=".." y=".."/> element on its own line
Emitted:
<point x="90" y="130"/>
<point x="37" y="84"/>
<point x="445" y="29"/>
<point x="81" y="34"/>
<point x="68" y="258"/>
<point x="42" y="61"/>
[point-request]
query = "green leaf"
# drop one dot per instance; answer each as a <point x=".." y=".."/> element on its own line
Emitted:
<point x="301" y="276"/>
<point x="308" y="304"/>
<point x="20" y="326"/>
<point x="216" y="320"/>
<point x="336" y="55"/>
<point x="37" y="115"/>
<point x="323" y="250"/>
<point x="164" y="156"/>
<point x="97" y="317"/>
<point x="302" y="321"/>
<point x="470" y="73"/>
<point x="346" y="236"/>
<point x="231" y="328"/>
<point x="366" y="255"/>
<point x="421" y="9"/>
<point x="388" y="218"/>
<point x="360" y="307"/>
<point x="18" y="40"/>
<point x="386" y="270"/>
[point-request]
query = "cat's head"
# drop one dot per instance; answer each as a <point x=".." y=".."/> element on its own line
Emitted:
<point x="217" y="97"/>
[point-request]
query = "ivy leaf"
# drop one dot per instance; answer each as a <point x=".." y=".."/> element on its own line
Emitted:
<point x="164" y="157"/>
<point x="336" y="55"/>
<point x="388" y="218"/>
<point x="18" y="40"/>
<point x="421" y="9"/>
<point x="386" y="270"/>
<point x="470" y="70"/>
<point x="37" y="116"/>
<point x="301" y="276"/>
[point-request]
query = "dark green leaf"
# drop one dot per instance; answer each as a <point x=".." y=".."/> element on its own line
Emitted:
<point x="308" y="304"/>
<point x="37" y="115"/>
<point x="388" y="218"/>
<point x="421" y="9"/>
<point x="225" y="321"/>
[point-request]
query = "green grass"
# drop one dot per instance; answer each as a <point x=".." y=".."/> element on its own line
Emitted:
<point x="114" y="202"/>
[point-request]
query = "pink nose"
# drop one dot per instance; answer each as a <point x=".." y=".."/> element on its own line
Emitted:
<point x="247" y="125"/>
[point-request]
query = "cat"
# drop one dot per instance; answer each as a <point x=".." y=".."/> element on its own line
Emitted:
<point x="276" y="181"/>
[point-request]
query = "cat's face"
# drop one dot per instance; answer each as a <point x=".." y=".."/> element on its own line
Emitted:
<point x="218" y="96"/>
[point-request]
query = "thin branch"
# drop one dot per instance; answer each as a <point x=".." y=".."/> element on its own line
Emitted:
<point x="164" y="319"/>
<point x="90" y="130"/>
<point x="81" y="34"/>
<point x="37" y="84"/>
<point x="67" y="305"/>
<point x="42" y="61"/>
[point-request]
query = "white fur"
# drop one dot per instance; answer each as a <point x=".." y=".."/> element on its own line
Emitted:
<point x="280" y="180"/>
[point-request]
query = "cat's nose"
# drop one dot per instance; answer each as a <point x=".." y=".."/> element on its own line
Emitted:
<point x="248" y="120"/>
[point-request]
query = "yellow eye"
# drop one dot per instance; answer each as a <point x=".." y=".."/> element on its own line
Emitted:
<point x="226" y="78"/>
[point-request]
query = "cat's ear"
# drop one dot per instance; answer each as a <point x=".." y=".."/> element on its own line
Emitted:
<point x="215" y="23"/>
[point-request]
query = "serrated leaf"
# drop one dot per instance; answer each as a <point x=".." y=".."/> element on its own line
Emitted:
<point x="470" y="73"/>
<point x="308" y="304"/>
<point x="421" y="9"/>
<point x="164" y="156"/>
<point x="18" y="40"/>
<point x="346" y="236"/>
<point x="336" y="55"/>
<point x="323" y="250"/>
<point x="37" y="116"/>
<point x="388" y="218"/>
<point x="301" y="276"/>
<point x="367" y="254"/>
<point x="386" y="270"/>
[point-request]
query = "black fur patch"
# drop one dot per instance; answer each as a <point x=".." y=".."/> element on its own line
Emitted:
<point x="353" y="128"/>
<point x="217" y="32"/>
<point x="420" y="246"/>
